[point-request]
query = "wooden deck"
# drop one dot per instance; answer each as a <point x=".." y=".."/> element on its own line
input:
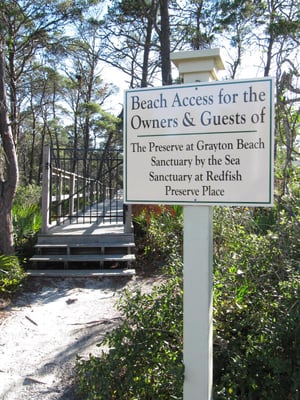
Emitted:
<point x="92" y="228"/>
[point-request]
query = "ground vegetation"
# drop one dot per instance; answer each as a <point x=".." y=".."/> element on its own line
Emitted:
<point x="256" y="312"/>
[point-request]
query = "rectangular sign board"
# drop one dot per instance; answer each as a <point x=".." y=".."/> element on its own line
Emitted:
<point x="203" y="143"/>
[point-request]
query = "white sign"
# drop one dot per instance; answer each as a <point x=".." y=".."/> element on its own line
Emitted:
<point x="202" y="143"/>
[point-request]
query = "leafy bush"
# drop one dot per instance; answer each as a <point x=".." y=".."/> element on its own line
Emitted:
<point x="27" y="218"/>
<point x="145" y="356"/>
<point x="11" y="274"/>
<point x="256" y="311"/>
<point x="161" y="231"/>
<point x="288" y="228"/>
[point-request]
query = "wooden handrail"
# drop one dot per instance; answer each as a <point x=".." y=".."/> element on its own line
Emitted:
<point x="69" y="175"/>
<point x="77" y="186"/>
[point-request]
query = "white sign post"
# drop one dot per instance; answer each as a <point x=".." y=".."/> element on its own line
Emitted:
<point x="198" y="267"/>
<point x="201" y="143"/>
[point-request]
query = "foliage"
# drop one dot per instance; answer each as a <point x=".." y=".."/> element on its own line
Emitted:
<point x="144" y="360"/>
<point x="27" y="217"/>
<point x="256" y="309"/>
<point x="145" y="356"/>
<point x="256" y="314"/>
<point x="11" y="274"/>
<point x="161" y="231"/>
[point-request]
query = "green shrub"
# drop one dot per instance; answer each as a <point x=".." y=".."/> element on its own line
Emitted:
<point x="145" y="356"/>
<point x="161" y="232"/>
<point x="11" y="274"/>
<point x="288" y="229"/>
<point x="256" y="312"/>
<point x="27" y="218"/>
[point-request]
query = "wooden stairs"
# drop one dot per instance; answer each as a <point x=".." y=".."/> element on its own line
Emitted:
<point x="103" y="252"/>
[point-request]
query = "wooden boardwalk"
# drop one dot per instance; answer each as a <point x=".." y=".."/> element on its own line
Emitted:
<point x="76" y="237"/>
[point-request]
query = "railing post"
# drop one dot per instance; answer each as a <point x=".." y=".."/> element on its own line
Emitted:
<point x="72" y="192"/>
<point x="59" y="198"/>
<point x="46" y="171"/>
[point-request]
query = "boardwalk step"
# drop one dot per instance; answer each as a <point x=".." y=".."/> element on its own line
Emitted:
<point x="79" y="245"/>
<point x="84" y="238"/>
<point x="82" y="258"/>
<point x="52" y="246"/>
<point x="76" y="273"/>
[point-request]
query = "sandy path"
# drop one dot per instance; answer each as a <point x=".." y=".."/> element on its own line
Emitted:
<point x="46" y="327"/>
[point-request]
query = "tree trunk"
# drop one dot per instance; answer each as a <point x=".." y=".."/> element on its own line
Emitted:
<point x="10" y="173"/>
<point x="148" y="43"/>
<point x="165" y="43"/>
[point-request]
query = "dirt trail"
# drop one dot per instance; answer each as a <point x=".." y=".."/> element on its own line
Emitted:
<point x="45" y="327"/>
